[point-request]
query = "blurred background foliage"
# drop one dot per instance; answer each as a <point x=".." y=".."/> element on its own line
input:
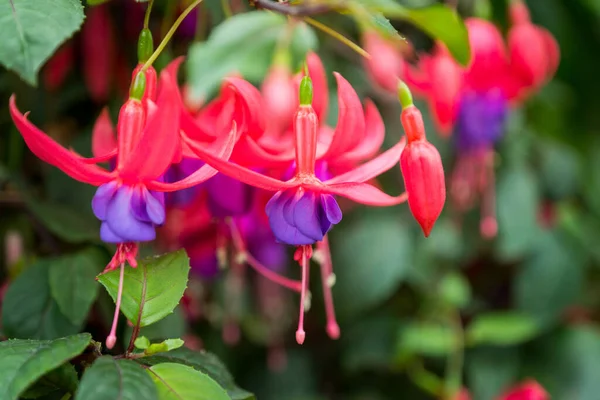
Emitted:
<point x="525" y="304"/>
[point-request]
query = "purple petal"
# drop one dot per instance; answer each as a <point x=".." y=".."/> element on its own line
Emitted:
<point x="332" y="209"/>
<point x="282" y="230"/>
<point x="108" y="236"/>
<point x="101" y="199"/>
<point x="306" y="216"/>
<point x="155" y="209"/>
<point x="123" y="223"/>
<point x="228" y="197"/>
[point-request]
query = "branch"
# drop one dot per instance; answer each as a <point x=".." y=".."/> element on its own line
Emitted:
<point x="294" y="11"/>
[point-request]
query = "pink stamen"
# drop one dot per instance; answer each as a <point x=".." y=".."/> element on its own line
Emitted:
<point x="333" y="329"/>
<point x="300" y="334"/>
<point x="489" y="223"/>
<point x="112" y="337"/>
<point x="240" y="246"/>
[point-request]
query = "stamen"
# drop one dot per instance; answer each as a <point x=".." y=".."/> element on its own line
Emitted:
<point x="240" y="246"/>
<point x="489" y="223"/>
<point x="328" y="280"/>
<point x="300" y="334"/>
<point x="112" y="337"/>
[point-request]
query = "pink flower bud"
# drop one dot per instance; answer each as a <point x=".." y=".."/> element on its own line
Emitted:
<point x="423" y="173"/>
<point x="386" y="64"/>
<point x="534" y="53"/>
<point x="280" y="97"/>
<point x="530" y="390"/>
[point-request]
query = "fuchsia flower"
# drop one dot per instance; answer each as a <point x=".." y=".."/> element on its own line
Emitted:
<point x="303" y="208"/>
<point x="474" y="102"/>
<point x="128" y="201"/>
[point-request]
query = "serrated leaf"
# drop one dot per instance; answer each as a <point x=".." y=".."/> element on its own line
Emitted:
<point x="32" y="30"/>
<point x="177" y="382"/>
<point x="154" y="287"/>
<point x="204" y="362"/>
<point x="110" y="379"/>
<point x="243" y="43"/>
<point x="501" y="328"/>
<point x="22" y="362"/>
<point x="72" y="283"/>
<point x="28" y="309"/>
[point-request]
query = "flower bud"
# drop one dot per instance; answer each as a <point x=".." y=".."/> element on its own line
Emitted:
<point x="385" y="64"/>
<point x="279" y="94"/>
<point x="423" y="173"/>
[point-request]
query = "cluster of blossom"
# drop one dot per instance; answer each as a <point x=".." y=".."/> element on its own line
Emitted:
<point x="473" y="102"/>
<point x="274" y="141"/>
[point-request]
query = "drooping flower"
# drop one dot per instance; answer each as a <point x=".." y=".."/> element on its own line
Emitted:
<point x="474" y="102"/>
<point x="304" y="208"/>
<point x="127" y="201"/>
<point x="529" y="390"/>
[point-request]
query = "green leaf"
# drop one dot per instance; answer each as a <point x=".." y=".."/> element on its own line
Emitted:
<point x="204" y="362"/>
<point x="243" y="43"/>
<point x="518" y="200"/>
<point x="369" y="343"/>
<point x="62" y="379"/>
<point x="64" y="222"/>
<point x="109" y="379"/>
<point x="28" y="310"/>
<point x="501" y="328"/>
<point x="444" y="24"/>
<point x="166" y="345"/>
<point x="491" y="371"/>
<point x="72" y="283"/>
<point x="154" y="287"/>
<point x="142" y="343"/>
<point x="454" y="289"/>
<point x="550" y="280"/>
<point x="180" y="382"/>
<point x="22" y="362"/>
<point x="32" y="30"/>
<point x="426" y="338"/>
<point x="566" y="363"/>
<point x="374" y="253"/>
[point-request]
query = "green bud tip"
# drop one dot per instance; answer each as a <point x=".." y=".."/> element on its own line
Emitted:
<point x="145" y="45"/>
<point x="306" y="91"/>
<point x="404" y="94"/>
<point x="138" y="87"/>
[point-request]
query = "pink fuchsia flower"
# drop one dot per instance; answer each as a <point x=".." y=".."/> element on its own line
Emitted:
<point x="127" y="202"/>
<point x="279" y="95"/>
<point x="529" y="390"/>
<point x="59" y="66"/>
<point x="385" y="65"/>
<point x="303" y="208"/>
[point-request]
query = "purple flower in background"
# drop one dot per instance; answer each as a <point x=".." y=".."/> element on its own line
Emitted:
<point x="481" y="120"/>
<point x="228" y="197"/>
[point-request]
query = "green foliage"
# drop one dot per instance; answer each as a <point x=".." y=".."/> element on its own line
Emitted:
<point x="244" y="44"/>
<point x="72" y="283"/>
<point x="32" y="30"/>
<point x="176" y="381"/>
<point x="143" y="343"/>
<point x="426" y="338"/>
<point x="29" y="311"/>
<point x="63" y="379"/>
<point x="109" y="379"/>
<point x="374" y="255"/>
<point x="153" y="289"/>
<point x="501" y="328"/>
<point x="22" y="362"/>
<point x="204" y="362"/>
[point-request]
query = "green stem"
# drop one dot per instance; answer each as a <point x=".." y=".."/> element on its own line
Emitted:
<point x="169" y="35"/>
<point x="148" y="11"/>
<point x="333" y="33"/>
<point x="226" y="9"/>
<point x="454" y="366"/>
<point x="425" y="380"/>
